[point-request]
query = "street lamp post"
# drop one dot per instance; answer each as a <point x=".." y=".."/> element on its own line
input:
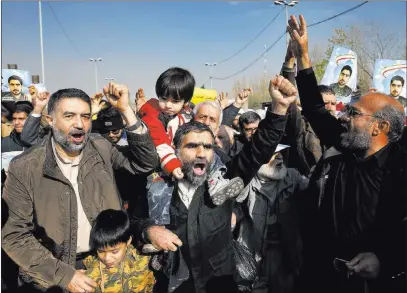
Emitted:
<point x="41" y="41"/>
<point x="211" y="65"/>
<point x="286" y="4"/>
<point x="96" y="71"/>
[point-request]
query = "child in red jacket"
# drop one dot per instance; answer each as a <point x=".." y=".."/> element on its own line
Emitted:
<point x="174" y="89"/>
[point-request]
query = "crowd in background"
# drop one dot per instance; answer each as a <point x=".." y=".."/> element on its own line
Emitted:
<point x="168" y="196"/>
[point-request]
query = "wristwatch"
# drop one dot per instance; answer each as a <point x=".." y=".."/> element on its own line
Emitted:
<point x="135" y="126"/>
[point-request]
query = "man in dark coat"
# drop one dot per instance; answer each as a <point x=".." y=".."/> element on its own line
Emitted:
<point x="205" y="261"/>
<point x="13" y="143"/>
<point x="356" y="236"/>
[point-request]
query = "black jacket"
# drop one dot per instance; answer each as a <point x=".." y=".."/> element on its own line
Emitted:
<point x="385" y="235"/>
<point x="12" y="143"/>
<point x="205" y="229"/>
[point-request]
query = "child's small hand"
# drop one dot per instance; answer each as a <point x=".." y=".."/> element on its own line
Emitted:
<point x="177" y="173"/>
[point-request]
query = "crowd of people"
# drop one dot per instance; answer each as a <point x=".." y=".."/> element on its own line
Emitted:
<point x="168" y="196"/>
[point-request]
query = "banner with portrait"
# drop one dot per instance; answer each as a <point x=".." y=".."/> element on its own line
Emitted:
<point x="389" y="78"/>
<point x="23" y="74"/>
<point x="341" y="74"/>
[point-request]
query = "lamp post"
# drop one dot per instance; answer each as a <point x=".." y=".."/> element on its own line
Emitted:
<point x="211" y="65"/>
<point x="96" y="60"/>
<point x="41" y="41"/>
<point x="286" y="4"/>
<point x="265" y="62"/>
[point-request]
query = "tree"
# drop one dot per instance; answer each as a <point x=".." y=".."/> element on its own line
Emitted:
<point x="370" y="41"/>
<point x="260" y="92"/>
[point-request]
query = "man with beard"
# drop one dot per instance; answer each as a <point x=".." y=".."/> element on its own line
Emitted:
<point x="211" y="114"/>
<point x="109" y="123"/>
<point x="356" y="236"/>
<point x="270" y="229"/>
<point x="396" y="87"/>
<point x="204" y="261"/>
<point x="56" y="189"/>
<point x="340" y="88"/>
<point x="15" y="84"/>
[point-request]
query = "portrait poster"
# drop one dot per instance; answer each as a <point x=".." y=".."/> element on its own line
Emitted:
<point x="23" y="74"/>
<point x="389" y="78"/>
<point x="341" y="74"/>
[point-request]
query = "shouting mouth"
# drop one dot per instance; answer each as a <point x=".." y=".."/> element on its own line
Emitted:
<point x="78" y="137"/>
<point x="199" y="169"/>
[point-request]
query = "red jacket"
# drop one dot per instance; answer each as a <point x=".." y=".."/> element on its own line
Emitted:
<point x="162" y="137"/>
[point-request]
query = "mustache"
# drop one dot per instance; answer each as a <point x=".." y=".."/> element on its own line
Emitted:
<point x="200" y="161"/>
<point x="76" y="131"/>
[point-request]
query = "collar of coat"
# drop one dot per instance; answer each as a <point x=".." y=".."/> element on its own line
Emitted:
<point x="90" y="157"/>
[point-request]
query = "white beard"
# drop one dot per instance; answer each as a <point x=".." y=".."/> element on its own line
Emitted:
<point x="269" y="173"/>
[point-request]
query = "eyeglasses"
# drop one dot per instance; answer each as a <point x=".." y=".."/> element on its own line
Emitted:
<point x="352" y="112"/>
<point x="114" y="132"/>
<point x="250" y="129"/>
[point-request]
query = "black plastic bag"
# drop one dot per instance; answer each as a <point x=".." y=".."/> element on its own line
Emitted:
<point x="246" y="268"/>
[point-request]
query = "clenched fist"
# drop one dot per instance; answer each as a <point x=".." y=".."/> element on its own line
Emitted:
<point x="282" y="93"/>
<point x="118" y="96"/>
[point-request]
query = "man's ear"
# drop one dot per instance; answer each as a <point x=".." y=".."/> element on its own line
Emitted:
<point x="381" y="127"/>
<point x="49" y="119"/>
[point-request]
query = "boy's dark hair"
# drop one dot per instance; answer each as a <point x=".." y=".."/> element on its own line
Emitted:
<point x="247" y="118"/>
<point x="24" y="107"/>
<point x="192" y="126"/>
<point x="110" y="228"/>
<point x="347" y="67"/>
<point x="177" y="83"/>
<point x="70" y="93"/>
<point x="399" y="78"/>
<point x="15" y="77"/>
<point x="326" y="89"/>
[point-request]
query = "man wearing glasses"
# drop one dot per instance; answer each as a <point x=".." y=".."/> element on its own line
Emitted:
<point x="357" y="192"/>
<point x="109" y="124"/>
<point x="248" y="123"/>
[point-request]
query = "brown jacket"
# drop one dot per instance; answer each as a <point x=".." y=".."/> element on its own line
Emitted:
<point x="41" y="231"/>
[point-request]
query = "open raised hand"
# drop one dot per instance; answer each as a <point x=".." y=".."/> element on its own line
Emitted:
<point x="242" y="97"/>
<point x="140" y="99"/>
<point x="299" y="41"/>
<point x="96" y="102"/>
<point x="299" y="35"/>
<point x="223" y="100"/>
